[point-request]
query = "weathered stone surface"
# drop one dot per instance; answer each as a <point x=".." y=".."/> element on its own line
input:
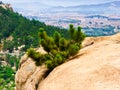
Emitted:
<point x="96" y="67"/>
<point x="29" y="75"/>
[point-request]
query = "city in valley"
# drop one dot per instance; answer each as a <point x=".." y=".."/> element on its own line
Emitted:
<point x="91" y="24"/>
<point x="95" y="19"/>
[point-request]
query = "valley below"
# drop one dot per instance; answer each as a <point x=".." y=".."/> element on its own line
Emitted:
<point x="95" y="19"/>
<point x="92" y="25"/>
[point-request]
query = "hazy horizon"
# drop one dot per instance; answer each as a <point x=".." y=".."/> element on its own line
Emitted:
<point x="59" y="3"/>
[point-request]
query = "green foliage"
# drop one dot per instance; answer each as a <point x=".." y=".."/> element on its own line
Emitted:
<point x="65" y="54"/>
<point x="35" y="55"/>
<point x="54" y="52"/>
<point x="73" y="49"/>
<point x="72" y="31"/>
<point x="13" y="61"/>
<point x="23" y="30"/>
<point x="42" y="33"/>
<point x="8" y="45"/>
<point x="79" y="35"/>
<point x="63" y="44"/>
<point x="49" y="64"/>
<point x="47" y="57"/>
<point x="6" y="78"/>
<point x="48" y="44"/>
<point x="57" y="60"/>
<point x="7" y="72"/>
<point x="57" y="47"/>
<point x="57" y="37"/>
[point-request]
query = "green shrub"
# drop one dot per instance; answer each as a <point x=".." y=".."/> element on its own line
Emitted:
<point x="57" y="38"/>
<point x="37" y="57"/>
<point x="65" y="54"/>
<point x="49" y="64"/>
<point x="63" y="44"/>
<point x="48" y="44"/>
<point x="33" y="54"/>
<point x="58" y="59"/>
<point x="73" y="49"/>
<point x="58" y="48"/>
<point x="72" y="31"/>
<point x="6" y="77"/>
<point x="42" y="34"/>
<point x="54" y="52"/>
<point x="12" y="60"/>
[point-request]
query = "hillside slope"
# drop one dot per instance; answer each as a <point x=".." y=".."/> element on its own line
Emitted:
<point x="24" y="32"/>
<point x="96" y="67"/>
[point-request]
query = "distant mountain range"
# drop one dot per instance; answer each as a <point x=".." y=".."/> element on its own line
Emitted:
<point x="30" y="7"/>
<point x="34" y="7"/>
<point x="105" y="8"/>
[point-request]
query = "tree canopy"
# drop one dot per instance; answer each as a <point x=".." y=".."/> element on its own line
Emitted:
<point x="23" y="30"/>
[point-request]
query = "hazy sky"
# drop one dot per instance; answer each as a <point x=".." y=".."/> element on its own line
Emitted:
<point x="60" y="2"/>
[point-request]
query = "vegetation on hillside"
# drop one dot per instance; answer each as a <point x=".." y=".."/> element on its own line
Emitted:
<point x="58" y="48"/>
<point x="23" y="30"/>
<point x="8" y="67"/>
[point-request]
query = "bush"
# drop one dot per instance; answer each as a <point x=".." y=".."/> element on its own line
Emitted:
<point x="49" y="64"/>
<point x="37" y="57"/>
<point x="63" y="44"/>
<point x="59" y="49"/>
<point x="57" y="37"/>
<point x="73" y="49"/>
<point x="6" y="77"/>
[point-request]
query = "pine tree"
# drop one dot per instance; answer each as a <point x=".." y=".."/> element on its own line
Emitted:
<point x="57" y="37"/>
<point x="42" y="34"/>
<point x="71" y="31"/>
<point x="59" y="49"/>
<point x="63" y="44"/>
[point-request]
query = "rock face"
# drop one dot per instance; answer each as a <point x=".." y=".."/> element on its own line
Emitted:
<point x="96" y="67"/>
<point x="29" y="75"/>
<point x="6" y="6"/>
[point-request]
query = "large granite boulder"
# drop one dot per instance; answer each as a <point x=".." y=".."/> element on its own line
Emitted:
<point x="96" y="67"/>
